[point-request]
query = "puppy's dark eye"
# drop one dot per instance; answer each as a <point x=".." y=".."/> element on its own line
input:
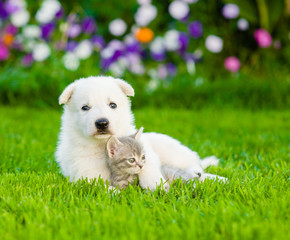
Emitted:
<point x="113" y="105"/>
<point x="85" y="108"/>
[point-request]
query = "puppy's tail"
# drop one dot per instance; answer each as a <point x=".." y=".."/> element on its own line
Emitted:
<point x="209" y="161"/>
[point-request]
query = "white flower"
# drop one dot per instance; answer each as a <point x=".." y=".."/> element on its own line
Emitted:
<point x="40" y="52"/>
<point x="231" y="11"/>
<point x="153" y="83"/>
<point x="214" y="43"/>
<point x="243" y="24"/>
<point x="129" y="39"/>
<point x="20" y="18"/>
<point x="47" y="11"/>
<point x="84" y="50"/>
<point x="137" y="69"/>
<point x="29" y="45"/>
<point x="143" y="2"/>
<point x="190" y="66"/>
<point x="116" y="69"/>
<point x="190" y="1"/>
<point x="145" y="14"/>
<point x="20" y="4"/>
<point x="157" y="45"/>
<point x="116" y="44"/>
<point x="31" y="31"/>
<point x="117" y="27"/>
<point x="198" y="53"/>
<point x="63" y="27"/>
<point x="171" y="40"/>
<point x="71" y="61"/>
<point x="123" y="62"/>
<point x="178" y="9"/>
<point x="107" y="52"/>
<point x="135" y="64"/>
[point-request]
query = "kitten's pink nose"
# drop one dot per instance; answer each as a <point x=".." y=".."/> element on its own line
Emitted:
<point x="140" y="166"/>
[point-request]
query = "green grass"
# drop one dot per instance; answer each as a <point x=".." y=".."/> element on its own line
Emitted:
<point x="37" y="202"/>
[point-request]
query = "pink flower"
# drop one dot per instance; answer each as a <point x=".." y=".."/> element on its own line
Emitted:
<point x="263" y="38"/>
<point x="4" y="52"/>
<point x="232" y="64"/>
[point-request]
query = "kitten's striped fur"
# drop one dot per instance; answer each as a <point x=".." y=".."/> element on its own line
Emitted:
<point x="120" y="151"/>
<point x="123" y="173"/>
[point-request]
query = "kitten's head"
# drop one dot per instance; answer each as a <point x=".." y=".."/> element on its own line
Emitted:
<point x="127" y="153"/>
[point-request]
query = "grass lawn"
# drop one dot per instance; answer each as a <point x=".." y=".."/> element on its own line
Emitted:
<point x="37" y="202"/>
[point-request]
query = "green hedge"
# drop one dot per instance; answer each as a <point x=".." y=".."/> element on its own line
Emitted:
<point x="41" y="84"/>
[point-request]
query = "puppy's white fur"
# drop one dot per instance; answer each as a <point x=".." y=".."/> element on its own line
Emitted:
<point x="81" y="151"/>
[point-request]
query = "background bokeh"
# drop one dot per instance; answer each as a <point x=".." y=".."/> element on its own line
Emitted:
<point x="182" y="53"/>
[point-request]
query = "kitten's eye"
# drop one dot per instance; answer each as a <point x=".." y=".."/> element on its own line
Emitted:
<point x="113" y="105"/>
<point x="85" y="108"/>
<point x="143" y="157"/>
<point x="131" y="160"/>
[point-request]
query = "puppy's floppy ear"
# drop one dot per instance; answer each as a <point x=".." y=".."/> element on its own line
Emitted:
<point x="138" y="134"/>
<point x="113" y="146"/>
<point x="125" y="87"/>
<point x="66" y="94"/>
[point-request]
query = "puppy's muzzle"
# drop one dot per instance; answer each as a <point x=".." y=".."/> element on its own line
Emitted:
<point x="102" y="124"/>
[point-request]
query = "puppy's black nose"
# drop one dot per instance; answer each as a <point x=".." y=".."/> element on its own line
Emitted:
<point x="102" y="123"/>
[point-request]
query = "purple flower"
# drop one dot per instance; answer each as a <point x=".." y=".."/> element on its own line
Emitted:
<point x="162" y="71"/>
<point x="117" y="54"/>
<point x="232" y="64"/>
<point x="74" y="30"/>
<point x="133" y="47"/>
<point x="158" y="56"/>
<point x="171" y="68"/>
<point x="4" y="52"/>
<point x="185" y="18"/>
<point x="133" y="58"/>
<point x="10" y="7"/>
<point x="89" y="25"/>
<point x="183" y="40"/>
<point x="117" y="45"/>
<point x="27" y="60"/>
<point x="195" y="29"/>
<point x="47" y="30"/>
<point x="11" y="29"/>
<point x="105" y="63"/>
<point x="188" y="57"/>
<point x="71" y="45"/>
<point x="167" y="70"/>
<point x="3" y="12"/>
<point x="263" y="38"/>
<point x="59" y="14"/>
<point x="98" y="41"/>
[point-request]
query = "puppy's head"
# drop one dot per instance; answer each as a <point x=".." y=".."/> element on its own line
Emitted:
<point x="98" y="106"/>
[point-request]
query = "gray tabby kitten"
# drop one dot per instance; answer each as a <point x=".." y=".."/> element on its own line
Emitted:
<point x="126" y="160"/>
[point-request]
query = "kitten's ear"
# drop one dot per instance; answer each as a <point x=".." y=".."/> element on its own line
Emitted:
<point x="138" y="134"/>
<point x="112" y="146"/>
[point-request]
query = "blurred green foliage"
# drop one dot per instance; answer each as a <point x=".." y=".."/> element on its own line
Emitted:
<point x="42" y="84"/>
<point x="262" y="82"/>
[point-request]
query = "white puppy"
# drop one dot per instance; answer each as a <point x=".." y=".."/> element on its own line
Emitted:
<point x="96" y="108"/>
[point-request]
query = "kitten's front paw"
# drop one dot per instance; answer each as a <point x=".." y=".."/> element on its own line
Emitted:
<point x="166" y="186"/>
<point x="112" y="190"/>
